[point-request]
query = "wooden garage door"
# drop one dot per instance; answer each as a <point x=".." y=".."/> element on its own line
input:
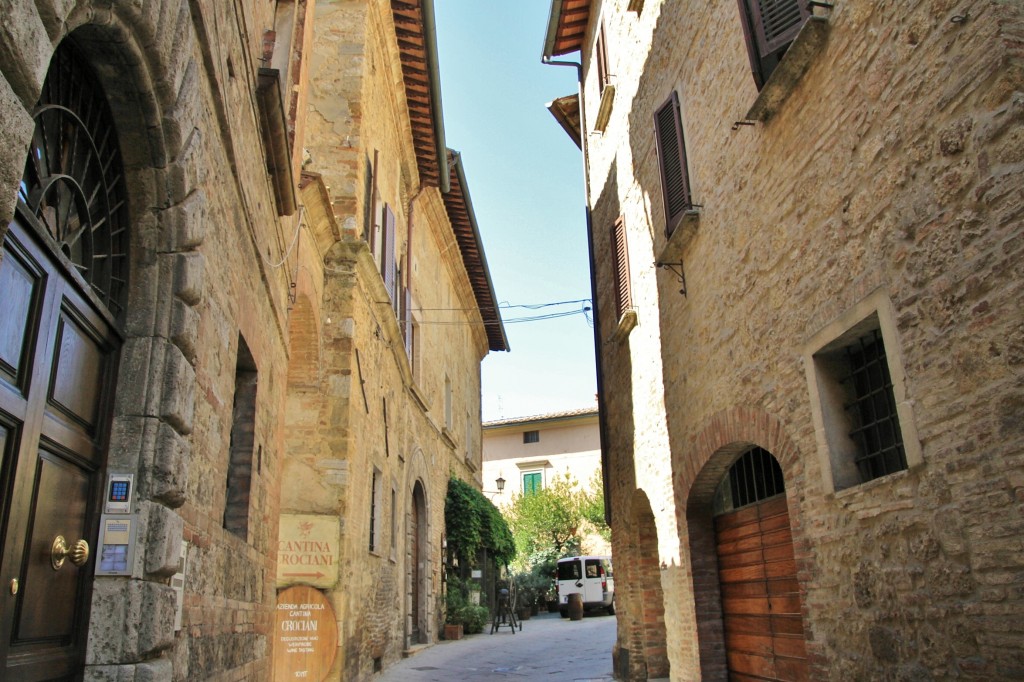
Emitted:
<point x="760" y="596"/>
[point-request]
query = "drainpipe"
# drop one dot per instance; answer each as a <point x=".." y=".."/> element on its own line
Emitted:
<point x="602" y="416"/>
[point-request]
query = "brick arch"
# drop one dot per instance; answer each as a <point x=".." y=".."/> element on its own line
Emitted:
<point x="726" y="436"/>
<point x="647" y="576"/>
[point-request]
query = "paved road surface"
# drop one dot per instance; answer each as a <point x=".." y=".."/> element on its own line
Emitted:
<point x="548" y="648"/>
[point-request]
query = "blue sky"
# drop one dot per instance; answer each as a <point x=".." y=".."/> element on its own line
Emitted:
<point x="526" y="182"/>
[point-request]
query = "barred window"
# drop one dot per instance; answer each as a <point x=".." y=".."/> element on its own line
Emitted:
<point x="859" y="396"/>
<point x="872" y="408"/>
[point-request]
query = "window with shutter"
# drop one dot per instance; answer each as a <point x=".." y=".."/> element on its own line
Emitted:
<point x="620" y="261"/>
<point x="387" y="270"/>
<point x="675" y="181"/>
<point x="770" y="26"/>
<point x="601" y="55"/>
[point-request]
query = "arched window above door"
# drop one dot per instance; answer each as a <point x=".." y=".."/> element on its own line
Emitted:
<point x="754" y="477"/>
<point x="74" y="178"/>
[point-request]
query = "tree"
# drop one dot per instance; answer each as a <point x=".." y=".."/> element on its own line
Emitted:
<point x="592" y="508"/>
<point x="546" y="523"/>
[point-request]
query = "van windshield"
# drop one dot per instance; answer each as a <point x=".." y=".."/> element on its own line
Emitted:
<point x="569" y="570"/>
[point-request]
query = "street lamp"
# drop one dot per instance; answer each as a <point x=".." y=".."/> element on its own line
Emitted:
<point x="500" y="482"/>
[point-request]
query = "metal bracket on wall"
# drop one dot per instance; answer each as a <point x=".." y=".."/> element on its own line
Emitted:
<point x="677" y="270"/>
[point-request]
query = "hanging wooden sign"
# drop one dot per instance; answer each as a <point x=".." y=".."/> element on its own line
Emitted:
<point x="305" y="635"/>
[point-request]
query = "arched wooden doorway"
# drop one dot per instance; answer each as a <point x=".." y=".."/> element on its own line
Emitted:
<point x="761" y="610"/>
<point x="417" y="566"/>
<point x="63" y="278"/>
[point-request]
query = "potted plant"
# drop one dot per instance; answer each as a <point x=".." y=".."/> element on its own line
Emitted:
<point x="454" y="609"/>
<point x="461" y="616"/>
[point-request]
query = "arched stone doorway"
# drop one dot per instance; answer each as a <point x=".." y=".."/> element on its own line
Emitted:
<point x="418" y="567"/>
<point x="64" y="278"/>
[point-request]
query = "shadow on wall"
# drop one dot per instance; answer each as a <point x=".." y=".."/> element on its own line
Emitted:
<point x="628" y="656"/>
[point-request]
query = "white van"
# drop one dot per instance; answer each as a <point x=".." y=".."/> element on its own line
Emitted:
<point x="592" y="577"/>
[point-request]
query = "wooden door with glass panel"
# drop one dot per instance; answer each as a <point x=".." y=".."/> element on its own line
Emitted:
<point x="62" y="289"/>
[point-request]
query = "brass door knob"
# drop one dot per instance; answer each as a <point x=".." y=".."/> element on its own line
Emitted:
<point x="59" y="551"/>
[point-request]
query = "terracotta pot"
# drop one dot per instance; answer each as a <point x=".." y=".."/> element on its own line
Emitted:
<point x="453" y="631"/>
<point x="524" y="613"/>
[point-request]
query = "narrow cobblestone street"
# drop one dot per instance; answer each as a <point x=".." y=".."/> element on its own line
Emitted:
<point x="548" y="647"/>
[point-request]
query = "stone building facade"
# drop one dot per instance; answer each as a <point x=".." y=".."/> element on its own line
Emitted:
<point x="242" y="271"/>
<point x="531" y="453"/>
<point x="780" y="206"/>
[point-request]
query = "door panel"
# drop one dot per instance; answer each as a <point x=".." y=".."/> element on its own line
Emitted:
<point x="60" y="357"/>
<point x="760" y="595"/>
<point x="414" y="532"/>
<point x="60" y="502"/>
<point x="20" y="293"/>
<point x="78" y="366"/>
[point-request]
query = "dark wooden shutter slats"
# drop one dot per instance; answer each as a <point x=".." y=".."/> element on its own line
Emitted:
<point x="776" y="23"/>
<point x="672" y="156"/>
<point x="620" y="261"/>
<point x="602" y="59"/>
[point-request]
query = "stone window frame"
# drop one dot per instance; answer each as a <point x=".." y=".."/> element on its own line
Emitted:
<point x="836" y="450"/>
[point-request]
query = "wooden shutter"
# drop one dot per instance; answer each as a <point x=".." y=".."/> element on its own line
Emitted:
<point x="675" y="182"/>
<point x="776" y="22"/>
<point x="769" y="26"/>
<point x="388" y="254"/>
<point x="601" y="53"/>
<point x="620" y="261"/>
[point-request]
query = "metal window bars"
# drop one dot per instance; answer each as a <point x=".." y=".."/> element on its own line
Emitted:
<point x="873" y="409"/>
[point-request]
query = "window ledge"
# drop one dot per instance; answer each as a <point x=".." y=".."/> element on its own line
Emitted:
<point x="626" y="324"/>
<point x="418" y="396"/>
<point x="805" y="47"/>
<point x="446" y="436"/>
<point x="604" y="110"/>
<point x="682" y="235"/>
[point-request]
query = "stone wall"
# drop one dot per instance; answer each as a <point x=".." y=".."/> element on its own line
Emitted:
<point x="894" y="166"/>
<point x="212" y="263"/>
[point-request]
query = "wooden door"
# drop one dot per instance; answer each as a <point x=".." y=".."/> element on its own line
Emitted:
<point x="58" y="359"/>
<point x="764" y="634"/>
<point x="414" y="567"/>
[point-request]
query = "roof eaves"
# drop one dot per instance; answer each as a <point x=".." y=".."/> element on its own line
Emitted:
<point x="566" y="111"/>
<point x="430" y="36"/>
<point x="567" y="415"/>
<point x="476" y="259"/>
<point x="554" y="16"/>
